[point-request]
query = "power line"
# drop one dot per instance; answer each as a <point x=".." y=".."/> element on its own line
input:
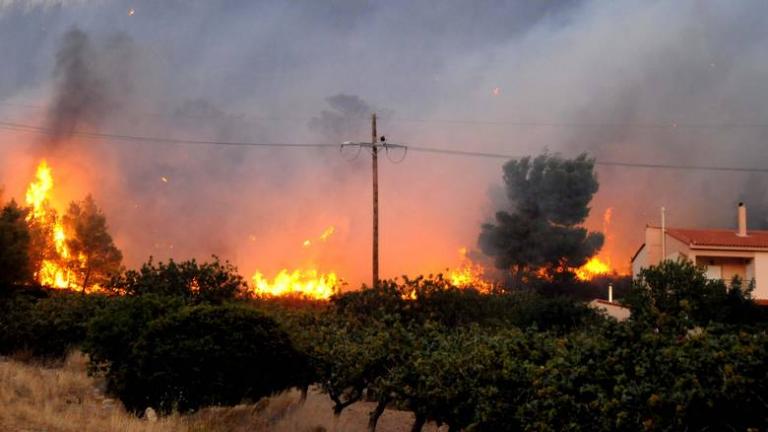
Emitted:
<point x="597" y="162"/>
<point x="589" y="125"/>
<point x="465" y="153"/>
<point x="500" y="122"/>
<point x="121" y="137"/>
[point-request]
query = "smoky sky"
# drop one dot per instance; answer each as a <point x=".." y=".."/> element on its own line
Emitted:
<point x="677" y="82"/>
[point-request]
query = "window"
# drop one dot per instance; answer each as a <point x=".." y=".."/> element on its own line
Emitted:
<point x="714" y="271"/>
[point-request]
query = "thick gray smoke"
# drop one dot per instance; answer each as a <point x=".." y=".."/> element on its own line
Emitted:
<point x="676" y="82"/>
<point x="79" y="99"/>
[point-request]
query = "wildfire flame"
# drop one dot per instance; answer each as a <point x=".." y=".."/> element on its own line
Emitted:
<point x="308" y="282"/>
<point x="597" y="266"/>
<point x="468" y="274"/>
<point x="53" y="271"/>
<point x="594" y="267"/>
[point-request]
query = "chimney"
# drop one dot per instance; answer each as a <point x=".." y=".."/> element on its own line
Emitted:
<point x="742" y="230"/>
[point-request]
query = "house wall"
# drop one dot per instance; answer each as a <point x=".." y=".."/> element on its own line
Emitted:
<point x="761" y="276"/>
<point x="640" y="261"/>
<point x="731" y="266"/>
<point x="651" y="253"/>
<point x="652" y="246"/>
<point x="748" y="265"/>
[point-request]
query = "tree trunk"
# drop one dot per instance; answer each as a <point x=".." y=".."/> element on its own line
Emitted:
<point x="336" y="417"/>
<point x="419" y="423"/>
<point x="304" y="391"/>
<point x="87" y="278"/>
<point x="375" y="414"/>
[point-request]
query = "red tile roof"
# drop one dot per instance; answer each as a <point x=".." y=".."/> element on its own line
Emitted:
<point x="720" y="237"/>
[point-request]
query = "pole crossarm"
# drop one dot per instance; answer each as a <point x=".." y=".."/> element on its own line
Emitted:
<point x="384" y="145"/>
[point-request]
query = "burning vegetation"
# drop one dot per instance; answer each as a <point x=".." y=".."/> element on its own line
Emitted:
<point x="469" y="274"/>
<point x="307" y="282"/>
<point x="72" y="250"/>
<point x="53" y="270"/>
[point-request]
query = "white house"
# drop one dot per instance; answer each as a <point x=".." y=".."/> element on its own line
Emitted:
<point x="724" y="253"/>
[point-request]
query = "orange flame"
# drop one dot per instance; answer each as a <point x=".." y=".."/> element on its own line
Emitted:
<point x="53" y="271"/>
<point x="307" y="283"/>
<point x="468" y="274"/>
<point x="594" y="267"/>
<point x="597" y="266"/>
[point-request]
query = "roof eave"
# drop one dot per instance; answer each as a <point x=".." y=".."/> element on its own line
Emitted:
<point x="730" y="248"/>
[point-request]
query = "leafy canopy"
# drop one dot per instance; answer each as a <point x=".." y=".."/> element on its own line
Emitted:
<point x="677" y="295"/>
<point x="15" y="265"/>
<point x="90" y="239"/>
<point x="549" y="198"/>
<point x="209" y="282"/>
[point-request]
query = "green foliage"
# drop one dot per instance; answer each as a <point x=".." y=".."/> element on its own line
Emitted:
<point x="435" y="300"/>
<point x="463" y="377"/>
<point x="209" y="282"/>
<point x="112" y="335"/>
<point x="621" y="379"/>
<point x="48" y="327"/>
<point x="677" y="295"/>
<point x="15" y="265"/>
<point x="348" y="356"/>
<point x="550" y="198"/>
<point x="89" y="238"/>
<point x="191" y="356"/>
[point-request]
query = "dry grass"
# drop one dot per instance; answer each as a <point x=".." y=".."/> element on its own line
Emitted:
<point x="63" y="398"/>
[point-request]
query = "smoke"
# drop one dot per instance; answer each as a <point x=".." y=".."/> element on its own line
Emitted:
<point x="343" y="119"/>
<point x="672" y="82"/>
<point x="79" y="98"/>
<point x="31" y="4"/>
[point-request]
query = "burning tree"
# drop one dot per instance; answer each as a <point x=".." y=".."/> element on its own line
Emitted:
<point x="74" y="251"/>
<point x="97" y="256"/>
<point x="542" y="234"/>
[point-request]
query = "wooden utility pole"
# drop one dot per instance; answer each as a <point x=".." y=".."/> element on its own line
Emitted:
<point x="375" y="159"/>
<point x="375" y="144"/>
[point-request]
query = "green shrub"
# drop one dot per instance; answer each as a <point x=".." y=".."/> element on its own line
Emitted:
<point x="192" y="356"/>
<point x="209" y="282"/>
<point x="111" y="338"/>
<point x="677" y="295"/>
<point x="433" y="299"/>
<point x="48" y="327"/>
<point x="623" y="380"/>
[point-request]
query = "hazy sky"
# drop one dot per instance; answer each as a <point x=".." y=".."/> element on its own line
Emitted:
<point x="678" y="82"/>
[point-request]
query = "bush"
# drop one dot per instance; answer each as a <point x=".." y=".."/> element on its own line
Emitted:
<point x="213" y="282"/>
<point x="191" y="357"/>
<point x="49" y="327"/>
<point x="433" y="299"/>
<point x="558" y="314"/>
<point x="677" y="295"/>
<point x="111" y="338"/>
<point x="621" y="379"/>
